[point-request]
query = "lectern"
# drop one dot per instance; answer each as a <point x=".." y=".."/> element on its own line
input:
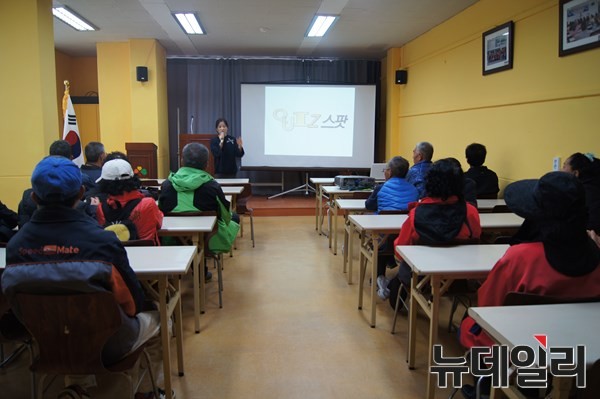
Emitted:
<point x="202" y="138"/>
<point x="143" y="159"/>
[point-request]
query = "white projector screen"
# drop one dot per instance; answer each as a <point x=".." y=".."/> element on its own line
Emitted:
<point x="308" y="125"/>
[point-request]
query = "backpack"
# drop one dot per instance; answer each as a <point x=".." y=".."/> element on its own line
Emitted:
<point x="117" y="220"/>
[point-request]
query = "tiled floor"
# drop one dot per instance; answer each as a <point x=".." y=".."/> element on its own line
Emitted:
<point x="289" y="328"/>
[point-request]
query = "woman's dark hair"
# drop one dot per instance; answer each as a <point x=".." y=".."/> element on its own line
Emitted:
<point x="221" y="120"/>
<point x="587" y="166"/>
<point x="445" y="179"/>
<point x="118" y="187"/>
<point x="115" y="155"/>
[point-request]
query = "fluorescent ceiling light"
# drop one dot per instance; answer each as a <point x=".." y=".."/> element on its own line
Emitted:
<point x="189" y="23"/>
<point x="320" y="24"/>
<point x="72" y="19"/>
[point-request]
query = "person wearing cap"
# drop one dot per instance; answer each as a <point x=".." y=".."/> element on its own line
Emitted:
<point x="118" y="181"/>
<point x="555" y="257"/>
<point x="27" y="206"/>
<point x="422" y="156"/>
<point x="58" y="232"/>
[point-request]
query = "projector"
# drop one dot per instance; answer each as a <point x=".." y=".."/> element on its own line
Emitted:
<point x="352" y="182"/>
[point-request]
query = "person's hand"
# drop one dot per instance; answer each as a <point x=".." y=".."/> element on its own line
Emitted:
<point x="594" y="237"/>
<point x="95" y="201"/>
<point x="221" y="136"/>
<point x="239" y="142"/>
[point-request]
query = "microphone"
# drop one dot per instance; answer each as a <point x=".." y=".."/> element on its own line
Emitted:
<point x="192" y="124"/>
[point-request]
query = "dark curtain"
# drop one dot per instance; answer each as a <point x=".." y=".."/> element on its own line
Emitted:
<point x="207" y="89"/>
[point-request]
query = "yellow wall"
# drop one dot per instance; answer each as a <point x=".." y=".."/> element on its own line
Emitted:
<point x="546" y="106"/>
<point x="28" y="103"/>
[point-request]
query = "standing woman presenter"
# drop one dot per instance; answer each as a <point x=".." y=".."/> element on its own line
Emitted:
<point x="225" y="149"/>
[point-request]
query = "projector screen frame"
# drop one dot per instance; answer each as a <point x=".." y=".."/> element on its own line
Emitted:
<point x="364" y="119"/>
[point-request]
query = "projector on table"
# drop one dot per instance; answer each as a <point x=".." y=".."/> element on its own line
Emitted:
<point x="353" y="183"/>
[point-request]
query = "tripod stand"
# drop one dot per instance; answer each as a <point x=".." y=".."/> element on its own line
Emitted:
<point x="306" y="187"/>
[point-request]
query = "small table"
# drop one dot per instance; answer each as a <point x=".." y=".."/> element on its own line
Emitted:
<point x="334" y="192"/>
<point x="500" y="222"/>
<point x="373" y="229"/>
<point x="488" y="205"/>
<point x="319" y="182"/>
<point x="350" y="207"/>
<point x="232" y="182"/>
<point x="194" y="226"/>
<point x="167" y="265"/>
<point x="566" y="325"/>
<point x="234" y="191"/>
<point x="440" y="266"/>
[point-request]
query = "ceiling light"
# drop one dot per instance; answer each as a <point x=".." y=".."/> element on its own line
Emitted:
<point x="189" y="23"/>
<point x="320" y="24"/>
<point x="72" y="19"/>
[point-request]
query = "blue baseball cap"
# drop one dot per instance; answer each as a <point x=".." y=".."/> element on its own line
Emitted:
<point x="56" y="179"/>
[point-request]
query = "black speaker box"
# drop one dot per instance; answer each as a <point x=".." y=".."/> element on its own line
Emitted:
<point x="142" y="73"/>
<point x="401" y="77"/>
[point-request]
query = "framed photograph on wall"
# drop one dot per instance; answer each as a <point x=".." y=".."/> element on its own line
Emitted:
<point x="498" y="48"/>
<point x="579" y="26"/>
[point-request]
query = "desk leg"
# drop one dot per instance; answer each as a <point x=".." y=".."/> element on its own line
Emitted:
<point x="320" y="207"/>
<point x="178" y="327"/>
<point x="362" y="268"/>
<point x="331" y="207"/>
<point x="345" y="244"/>
<point x="198" y="267"/>
<point x="164" y="333"/>
<point x="350" y="251"/>
<point x="374" y="278"/>
<point x="436" y="283"/>
<point x="335" y="228"/>
<point x="412" y="322"/>
<point x="317" y="198"/>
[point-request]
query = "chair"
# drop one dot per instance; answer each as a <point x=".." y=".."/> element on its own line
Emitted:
<point x="217" y="257"/>
<point x="242" y="209"/>
<point x="487" y="196"/>
<point x="138" y="243"/>
<point x="69" y="341"/>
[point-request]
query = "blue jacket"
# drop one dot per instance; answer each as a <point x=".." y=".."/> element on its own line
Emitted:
<point x="416" y="176"/>
<point x="395" y="194"/>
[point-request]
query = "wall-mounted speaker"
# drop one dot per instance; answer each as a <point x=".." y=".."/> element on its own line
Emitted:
<point x="401" y="77"/>
<point x="141" y="73"/>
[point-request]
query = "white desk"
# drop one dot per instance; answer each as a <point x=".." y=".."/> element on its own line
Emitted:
<point x="500" y="221"/>
<point x="350" y="207"/>
<point x="334" y="192"/>
<point x="487" y="205"/>
<point x="167" y="265"/>
<point x="440" y="266"/>
<point x="234" y="191"/>
<point x="515" y="325"/>
<point x="233" y="182"/>
<point x="373" y="229"/>
<point x="195" y="227"/>
<point x="319" y="182"/>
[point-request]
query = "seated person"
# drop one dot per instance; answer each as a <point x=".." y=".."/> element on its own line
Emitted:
<point x="561" y="261"/>
<point x="422" y="155"/>
<point x="192" y="189"/>
<point x="57" y="188"/>
<point x="8" y="221"/>
<point x="94" y="158"/>
<point x="441" y="217"/>
<point x="121" y="186"/>
<point x="27" y="205"/>
<point x="486" y="180"/>
<point x="587" y="169"/>
<point x="470" y="190"/>
<point x="394" y="194"/>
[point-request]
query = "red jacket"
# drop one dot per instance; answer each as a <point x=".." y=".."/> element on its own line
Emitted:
<point x="524" y="268"/>
<point x="409" y="235"/>
<point x="146" y="216"/>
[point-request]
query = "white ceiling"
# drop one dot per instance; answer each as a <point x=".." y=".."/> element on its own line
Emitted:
<point x="252" y="28"/>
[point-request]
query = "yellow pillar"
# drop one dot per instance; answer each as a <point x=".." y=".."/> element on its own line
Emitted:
<point x="28" y="85"/>
<point x="392" y="131"/>
<point x="132" y="111"/>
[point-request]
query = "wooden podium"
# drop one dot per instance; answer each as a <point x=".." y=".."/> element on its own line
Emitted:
<point x="202" y="138"/>
<point x="142" y="156"/>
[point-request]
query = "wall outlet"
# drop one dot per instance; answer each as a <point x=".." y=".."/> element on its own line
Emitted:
<point x="556" y="163"/>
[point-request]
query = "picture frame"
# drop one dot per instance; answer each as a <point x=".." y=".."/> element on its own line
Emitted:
<point x="579" y="26"/>
<point x="497" y="47"/>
